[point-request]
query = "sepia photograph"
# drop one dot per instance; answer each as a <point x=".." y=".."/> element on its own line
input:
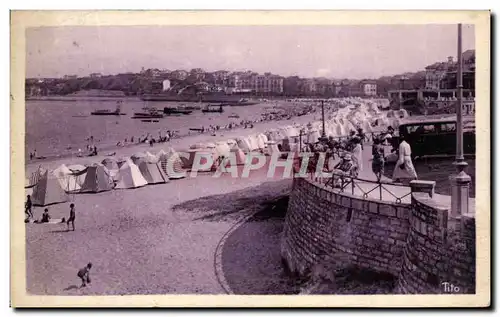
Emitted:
<point x="299" y="157"/>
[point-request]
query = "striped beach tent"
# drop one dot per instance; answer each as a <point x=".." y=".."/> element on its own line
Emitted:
<point x="48" y="191"/>
<point x="170" y="158"/>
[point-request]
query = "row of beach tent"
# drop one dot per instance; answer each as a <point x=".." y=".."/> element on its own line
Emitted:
<point x="145" y="168"/>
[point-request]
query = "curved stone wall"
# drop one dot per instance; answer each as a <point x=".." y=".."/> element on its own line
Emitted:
<point x="321" y="222"/>
<point x="418" y="243"/>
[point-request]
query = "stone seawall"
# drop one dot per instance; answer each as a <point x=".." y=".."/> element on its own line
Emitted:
<point x="417" y="242"/>
<point x="440" y="251"/>
<point x="322" y="222"/>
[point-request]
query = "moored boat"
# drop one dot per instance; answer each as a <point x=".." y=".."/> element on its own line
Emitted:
<point x="210" y="108"/>
<point x="106" y="112"/>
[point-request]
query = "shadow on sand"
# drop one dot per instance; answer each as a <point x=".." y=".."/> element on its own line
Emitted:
<point x="251" y="259"/>
<point x="231" y="205"/>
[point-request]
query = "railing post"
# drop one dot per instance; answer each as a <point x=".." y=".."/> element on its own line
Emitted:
<point x="420" y="186"/>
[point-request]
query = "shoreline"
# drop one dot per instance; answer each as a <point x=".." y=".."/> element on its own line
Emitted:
<point x="179" y="144"/>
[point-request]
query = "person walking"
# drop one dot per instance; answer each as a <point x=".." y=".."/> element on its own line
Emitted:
<point x="72" y="216"/>
<point x="84" y="274"/>
<point x="378" y="160"/>
<point x="404" y="169"/>
<point x="27" y="207"/>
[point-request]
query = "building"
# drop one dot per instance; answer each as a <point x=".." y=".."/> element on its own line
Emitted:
<point x="95" y="75"/>
<point x="309" y="87"/>
<point x="369" y="87"/>
<point x="70" y="77"/>
<point x="260" y="84"/>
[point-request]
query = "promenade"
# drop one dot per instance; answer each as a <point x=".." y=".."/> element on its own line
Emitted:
<point x="366" y="185"/>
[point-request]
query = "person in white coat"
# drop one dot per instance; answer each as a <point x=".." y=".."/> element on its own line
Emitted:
<point x="357" y="154"/>
<point x="404" y="169"/>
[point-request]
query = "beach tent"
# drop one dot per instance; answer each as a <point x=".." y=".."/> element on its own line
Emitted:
<point x="150" y="158"/>
<point x="232" y="143"/>
<point x="47" y="191"/>
<point x="97" y="179"/>
<point x="110" y="163"/>
<point x="75" y="168"/>
<point x="222" y="148"/>
<point x="312" y="137"/>
<point x="152" y="173"/>
<point x="254" y="143"/>
<point x="244" y="144"/>
<point x="138" y="157"/>
<point x="203" y="152"/>
<point x="35" y="177"/>
<point x="68" y="180"/>
<point x="262" y="140"/>
<point x="274" y="135"/>
<point x="239" y="155"/>
<point x="129" y="176"/>
<point x="171" y="157"/>
<point x="271" y="148"/>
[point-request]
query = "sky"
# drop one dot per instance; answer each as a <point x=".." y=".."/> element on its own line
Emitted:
<point x="334" y="51"/>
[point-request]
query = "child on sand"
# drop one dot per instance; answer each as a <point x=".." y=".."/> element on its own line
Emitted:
<point x="71" y="216"/>
<point x="28" y="206"/>
<point x="45" y="216"/>
<point x="84" y="274"/>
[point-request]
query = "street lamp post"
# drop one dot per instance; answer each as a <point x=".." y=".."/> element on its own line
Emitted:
<point x="460" y="181"/>
<point x="323" y="138"/>
<point x="323" y="134"/>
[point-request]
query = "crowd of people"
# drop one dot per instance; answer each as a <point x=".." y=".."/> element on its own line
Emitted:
<point x="350" y="150"/>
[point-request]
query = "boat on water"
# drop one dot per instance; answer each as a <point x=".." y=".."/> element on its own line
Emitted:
<point x="234" y="115"/>
<point x="213" y="108"/>
<point x="169" y="110"/>
<point x="182" y="96"/>
<point x="106" y="112"/>
<point x="151" y="113"/>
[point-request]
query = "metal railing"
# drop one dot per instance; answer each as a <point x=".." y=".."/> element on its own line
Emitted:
<point x="371" y="189"/>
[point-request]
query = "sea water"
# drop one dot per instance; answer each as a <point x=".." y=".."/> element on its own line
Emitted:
<point x="56" y="128"/>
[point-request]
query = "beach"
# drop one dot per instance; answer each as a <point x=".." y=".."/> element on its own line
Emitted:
<point x="183" y="237"/>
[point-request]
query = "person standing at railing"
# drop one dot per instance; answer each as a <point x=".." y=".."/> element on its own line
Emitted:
<point x="357" y="154"/>
<point x="378" y="160"/>
<point x="361" y="135"/>
<point x="404" y="169"/>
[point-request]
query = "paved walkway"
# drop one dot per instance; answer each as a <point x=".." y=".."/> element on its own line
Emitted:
<point x="389" y="192"/>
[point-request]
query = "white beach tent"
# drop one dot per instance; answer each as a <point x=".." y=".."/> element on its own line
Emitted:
<point x="312" y="136"/>
<point x="274" y="135"/>
<point x="150" y="158"/>
<point x="138" y="157"/>
<point x="253" y="141"/>
<point x="67" y="179"/>
<point x="112" y="165"/>
<point x="203" y="152"/>
<point x="223" y="149"/>
<point x="244" y="144"/>
<point x="231" y="143"/>
<point x="129" y="176"/>
<point x="152" y="172"/>
<point x="271" y="148"/>
<point x="170" y="156"/>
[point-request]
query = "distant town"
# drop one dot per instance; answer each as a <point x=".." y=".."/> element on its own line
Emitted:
<point x="438" y="76"/>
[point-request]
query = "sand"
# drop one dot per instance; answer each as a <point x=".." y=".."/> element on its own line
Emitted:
<point x="152" y="240"/>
